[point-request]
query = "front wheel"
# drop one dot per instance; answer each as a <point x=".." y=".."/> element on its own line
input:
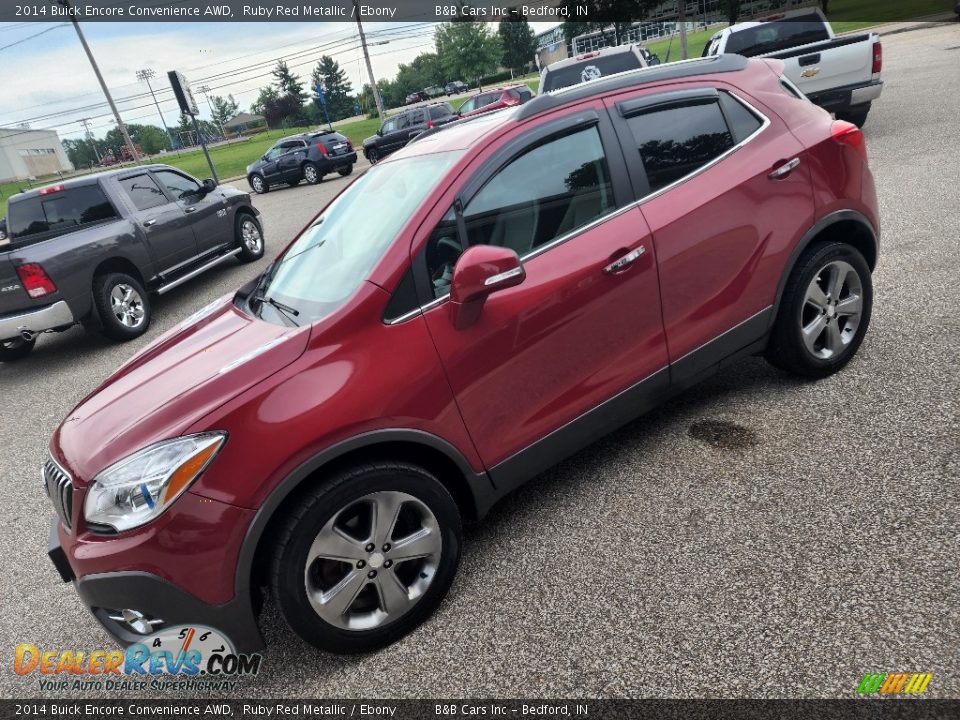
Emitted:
<point x="345" y="170"/>
<point x="824" y="312"/>
<point x="249" y="236"/>
<point x="16" y="349"/>
<point x="372" y="156"/>
<point x="258" y="184"/>
<point x="311" y="173"/>
<point x="123" y="306"/>
<point x="365" y="557"/>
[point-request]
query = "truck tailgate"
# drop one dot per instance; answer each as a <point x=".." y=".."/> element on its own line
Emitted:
<point x="829" y="64"/>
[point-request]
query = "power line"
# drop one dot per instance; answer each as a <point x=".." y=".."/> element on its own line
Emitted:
<point x="31" y="37"/>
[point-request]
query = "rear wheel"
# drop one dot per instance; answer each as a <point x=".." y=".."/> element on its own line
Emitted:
<point x="856" y="115"/>
<point x="365" y="557"/>
<point x="311" y="173"/>
<point x="824" y="312"/>
<point x="345" y="170"/>
<point x="258" y="184"/>
<point x="123" y="306"/>
<point x="15" y="349"/>
<point x="249" y="236"/>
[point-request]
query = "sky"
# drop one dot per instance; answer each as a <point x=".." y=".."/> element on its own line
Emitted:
<point x="48" y="82"/>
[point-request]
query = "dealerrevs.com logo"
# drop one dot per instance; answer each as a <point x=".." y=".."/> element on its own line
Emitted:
<point x="177" y="658"/>
<point x="889" y="684"/>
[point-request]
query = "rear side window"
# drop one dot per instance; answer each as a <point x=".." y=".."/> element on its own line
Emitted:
<point x="742" y="122"/>
<point x="439" y="111"/>
<point x="775" y="36"/>
<point x="591" y="69"/>
<point x="677" y="141"/>
<point x="143" y="192"/>
<point x="62" y="211"/>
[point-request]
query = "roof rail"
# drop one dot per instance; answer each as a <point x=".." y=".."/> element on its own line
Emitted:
<point x="631" y="78"/>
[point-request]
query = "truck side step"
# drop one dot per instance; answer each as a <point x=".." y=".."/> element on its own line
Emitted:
<point x="193" y="273"/>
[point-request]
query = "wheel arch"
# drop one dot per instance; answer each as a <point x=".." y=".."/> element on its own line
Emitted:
<point x="473" y="492"/>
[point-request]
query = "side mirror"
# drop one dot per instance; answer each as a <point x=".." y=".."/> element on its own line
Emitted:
<point x="208" y="186"/>
<point x="481" y="271"/>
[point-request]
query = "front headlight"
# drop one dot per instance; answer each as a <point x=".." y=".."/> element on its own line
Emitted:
<point x="140" y="487"/>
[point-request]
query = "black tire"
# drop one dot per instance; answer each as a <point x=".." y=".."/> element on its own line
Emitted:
<point x="330" y="500"/>
<point x="252" y="245"/>
<point x="372" y="156"/>
<point x="15" y="349"/>
<point x="258" y="183"/>
<point x="832" y="338"/>
<point x="104" y="287"/>
<point x="345" y="170"/>
<point x="857" y="116"/>
<point x="312" y="174"/>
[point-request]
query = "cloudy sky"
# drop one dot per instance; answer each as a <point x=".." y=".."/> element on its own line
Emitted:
<point x="48" y="82"/>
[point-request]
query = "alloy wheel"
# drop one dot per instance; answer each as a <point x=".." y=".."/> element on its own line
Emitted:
<point x="832" y="308"/>
<point x="257" y="183"/>
<point x="310" y="174"/>
<point x="250" y="233"/>
<point x="127" y="305"/>
<point x="373" y="560"/>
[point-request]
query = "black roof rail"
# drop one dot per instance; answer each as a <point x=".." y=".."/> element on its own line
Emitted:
<point x="629" y="79"/>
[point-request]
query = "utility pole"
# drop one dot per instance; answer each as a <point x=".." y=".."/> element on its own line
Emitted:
<point x="103" y="85"/>
<point x="682" y="6"/>
<point x="147" y="75"/>
<point x="366" y="56"/>
<point x="88" y="136"/>
<point x="205" y="89"/>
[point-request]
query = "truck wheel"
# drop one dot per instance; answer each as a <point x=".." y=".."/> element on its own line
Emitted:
<point x="363" y="558"/>
<point x="123" y="306"/>
<point x="312" y="174"/>
<point x="15" y="349"/>
<point x="249" y="236"/>
<point x="345" y="170"/>
<point x="258" y="184"/>
<point x="857" y="115"/>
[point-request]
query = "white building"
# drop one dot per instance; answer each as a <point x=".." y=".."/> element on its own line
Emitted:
<point x="26" y="153"/>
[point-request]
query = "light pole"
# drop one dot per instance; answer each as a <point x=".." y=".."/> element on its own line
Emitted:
<point x="147" y="74"/>
<point x="205" y="89"/>
<point x="103" y="85"/>
<point x="366" y="56"/>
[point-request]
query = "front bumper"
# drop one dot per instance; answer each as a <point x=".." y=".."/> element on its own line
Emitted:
<point x="51" y="317"/>
<point x="105" y="593"/>
<point x="842" y="98"/>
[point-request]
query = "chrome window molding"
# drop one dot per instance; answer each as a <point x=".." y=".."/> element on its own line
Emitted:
<point x="764" y="124"/>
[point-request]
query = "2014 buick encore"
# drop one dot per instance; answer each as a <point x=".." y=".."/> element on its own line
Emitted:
<point x="492" y="298"/>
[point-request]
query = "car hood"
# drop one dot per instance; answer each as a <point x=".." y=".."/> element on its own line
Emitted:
<point x="370" y="140"/>
<point x="207" y="360"/>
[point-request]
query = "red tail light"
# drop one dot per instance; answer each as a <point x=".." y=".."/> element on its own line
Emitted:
<point x="877" y="57"/>
<point x="322" y="148"/>
<point x="51" y="189"/>
<point x="35" y="281"/>
<point x="849" y="134"/>
<point x="349" y="145"/>
<point x="429" y="124"/>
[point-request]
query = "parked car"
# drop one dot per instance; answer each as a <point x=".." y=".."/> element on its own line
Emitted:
<point x="495" y="99"/>
<point x="592" y="66"/>
<point x="492" y="299"/>
<point x="455" y="88"/>
<point x="93" y="249"/>
<point x="108" y="160"/>
<point x="3" y="231"/>
<point x="400" y="129"/>
<point x="433" y="91"/>
<point x="840" y="74"/>
<point x="415" y="97"/>
<point x="308" y="156"/>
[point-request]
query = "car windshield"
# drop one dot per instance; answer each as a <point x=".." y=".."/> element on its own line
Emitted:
<point x="589" y="69"/>
<point x="327" y="263"/>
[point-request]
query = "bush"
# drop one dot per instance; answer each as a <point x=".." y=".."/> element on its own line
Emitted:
<point x="495" y="79"/>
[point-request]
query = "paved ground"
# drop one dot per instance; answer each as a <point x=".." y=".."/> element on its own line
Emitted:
<point x="810" y="535"/>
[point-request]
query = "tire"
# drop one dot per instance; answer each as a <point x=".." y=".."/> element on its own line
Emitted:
<point x="259" y="185"/>
<point x="345" y="170"/>
<point x="248" y="233"/>
<point x="312" y="174"/>
<point x="15" y="349"/>
<point x="344" y="501"/>
<point x="372" y="156"/>
<point x="820" y="324"/>
<point x="857" y="116"/>
<point x="122" y="305"/>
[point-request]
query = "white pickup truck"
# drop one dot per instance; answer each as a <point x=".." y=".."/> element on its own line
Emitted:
<point x="840" y="74"/>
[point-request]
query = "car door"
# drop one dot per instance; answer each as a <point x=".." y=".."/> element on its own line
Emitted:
<point x="207" y="213"/>
<point x="585" y="324"/>
<point x="270" y="168"/>
<point x="290" y="160"/>
<point x="717" y="176"/>
<point x="401" y="133"/>
<point x="166" y="227"/>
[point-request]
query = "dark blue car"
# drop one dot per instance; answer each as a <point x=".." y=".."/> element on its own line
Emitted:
<point x="308" y="156"/>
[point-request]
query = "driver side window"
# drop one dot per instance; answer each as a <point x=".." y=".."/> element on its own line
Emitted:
<point x="274" y="152"/>
<point x="179" y="185"/>
<point x="389" y="126"/>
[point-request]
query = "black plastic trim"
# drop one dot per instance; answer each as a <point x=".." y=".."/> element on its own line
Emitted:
<point x="662" y="101"/>
<point x="708" y="358"/>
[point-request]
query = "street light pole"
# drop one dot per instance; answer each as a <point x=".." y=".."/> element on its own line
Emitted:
<point x="366" y="56"/>
<point x="103" y="85"/>
<point x="147" y="74"/>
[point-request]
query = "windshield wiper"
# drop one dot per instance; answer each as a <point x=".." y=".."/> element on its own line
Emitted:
<point x="288" y="312"/>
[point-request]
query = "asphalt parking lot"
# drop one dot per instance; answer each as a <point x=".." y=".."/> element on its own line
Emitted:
<point x="758" y="536"/>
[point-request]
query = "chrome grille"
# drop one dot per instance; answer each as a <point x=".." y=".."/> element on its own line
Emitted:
<point x="59" y="487"/>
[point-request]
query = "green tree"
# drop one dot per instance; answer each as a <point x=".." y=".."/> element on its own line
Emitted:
<point x="467" y="50"/>
<point x="223" y="109"/>
<point x="287" y="83"/>
<point x="266" y="95"/>
<point x="519" y="42"/>
<point x="336" y="89"/>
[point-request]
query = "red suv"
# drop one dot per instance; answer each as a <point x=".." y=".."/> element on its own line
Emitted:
<point x="485" y="302"/>
<point x="490" y="100"/>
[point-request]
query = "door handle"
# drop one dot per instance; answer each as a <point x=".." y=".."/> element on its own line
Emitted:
<point x="151" y="221"/>
<point x="624" y="261"/>
<point x="784" y="170"/>
<point x="192" y="208"/>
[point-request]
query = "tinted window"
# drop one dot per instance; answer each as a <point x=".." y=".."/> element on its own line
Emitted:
<point x="741" y="121"/>
<point x="274" y="152"/>
<point x="678" y="141"/>
<point x="591" y="69"/>
<point x="439" y="111"/>
<point x="61" y="211"/>
<point x="549" y="191"/>
<point x="179" y="185"/>
<point x="389" y="126"/>
<point x="468" y="105"/>
<point x="774" y="36"/>
<point x="143" y="191"/>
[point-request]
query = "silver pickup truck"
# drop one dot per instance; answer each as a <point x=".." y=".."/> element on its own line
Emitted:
<point x="840" y="74"/>
<point x="93" y="249"/>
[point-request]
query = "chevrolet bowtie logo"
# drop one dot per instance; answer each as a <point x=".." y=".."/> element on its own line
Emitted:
<point x="810" y="72"/>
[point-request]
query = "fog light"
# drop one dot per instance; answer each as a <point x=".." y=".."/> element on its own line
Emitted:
<point x="139" y="622"/>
